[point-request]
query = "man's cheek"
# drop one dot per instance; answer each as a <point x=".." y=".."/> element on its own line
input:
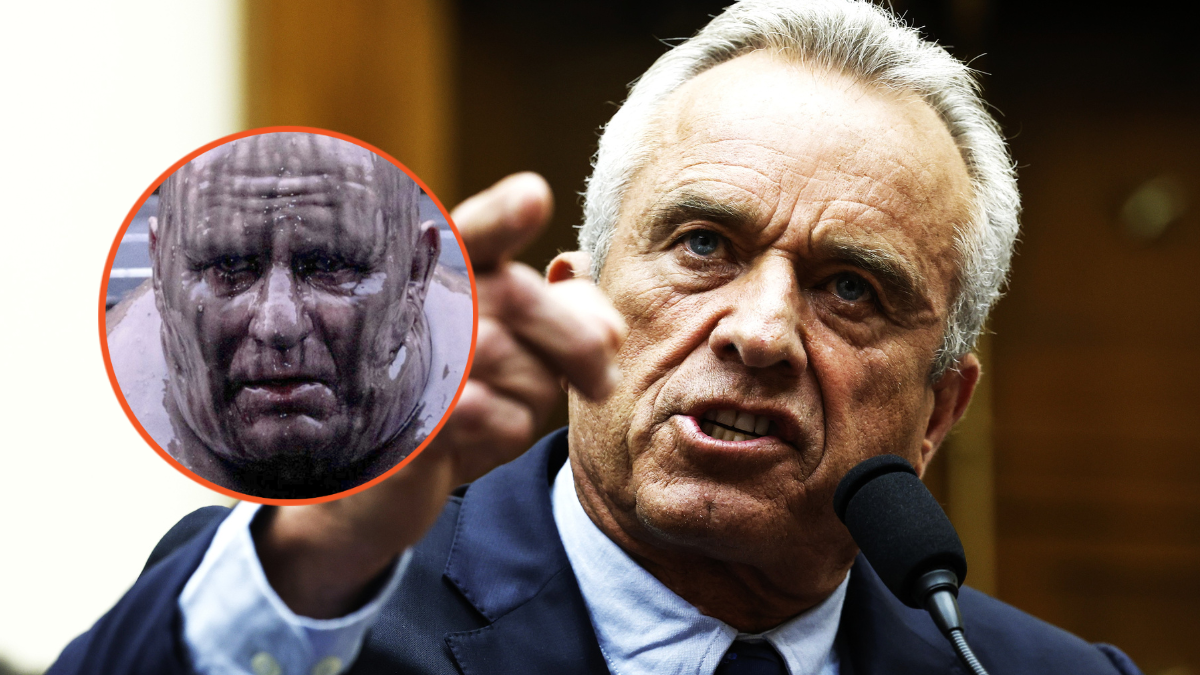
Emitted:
<point x="866" y="394"/>
<point x="662" y="324"/>
<point x="222" y="327"/>
<point x="345" y="326"/>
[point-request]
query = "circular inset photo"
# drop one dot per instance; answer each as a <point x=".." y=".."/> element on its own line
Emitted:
<point x="287" y="314"/>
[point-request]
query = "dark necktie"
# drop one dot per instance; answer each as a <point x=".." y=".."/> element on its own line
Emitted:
<point x="751" y="658"/>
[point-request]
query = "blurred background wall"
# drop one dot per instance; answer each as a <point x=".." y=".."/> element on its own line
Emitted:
<point x="98" y="100"/>
<point x="1074" y="480"/>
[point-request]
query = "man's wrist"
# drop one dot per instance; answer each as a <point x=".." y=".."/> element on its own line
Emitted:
<point x="315" y="564"/>
<point x="235" y="622"/>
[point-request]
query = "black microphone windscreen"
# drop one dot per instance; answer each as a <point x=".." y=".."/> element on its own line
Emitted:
<point x="898" y="525"/>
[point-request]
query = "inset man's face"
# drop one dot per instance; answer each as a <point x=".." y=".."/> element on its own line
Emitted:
<point x="289" y="270"/>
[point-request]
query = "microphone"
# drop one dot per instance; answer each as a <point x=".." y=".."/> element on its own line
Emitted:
<point x="910" y="542"/>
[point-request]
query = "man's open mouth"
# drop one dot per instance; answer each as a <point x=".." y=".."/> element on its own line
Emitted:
<point x="734" y="425"/>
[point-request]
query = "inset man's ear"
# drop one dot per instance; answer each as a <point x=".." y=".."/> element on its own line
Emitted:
<point x="425" y="257"/>
<point x="951" y="395"/>
<point x="153" y="234"/>
<point x="569" y="265"/>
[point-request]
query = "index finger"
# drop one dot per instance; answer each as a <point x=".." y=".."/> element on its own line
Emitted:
<point x="498" y="222"/>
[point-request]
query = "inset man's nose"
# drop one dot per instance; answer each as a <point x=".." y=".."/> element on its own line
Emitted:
<point x="279" y="320"/>
<point x="763" y="328"/>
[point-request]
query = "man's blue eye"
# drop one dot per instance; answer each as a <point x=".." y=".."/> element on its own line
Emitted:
<point x="703" y="242"/>
<point x="851" y="287"/>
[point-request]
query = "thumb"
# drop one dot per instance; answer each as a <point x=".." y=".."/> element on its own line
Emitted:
<point x="498" y="222"/>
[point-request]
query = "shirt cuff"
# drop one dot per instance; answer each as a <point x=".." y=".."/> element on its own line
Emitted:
<point x="233" y="622"/>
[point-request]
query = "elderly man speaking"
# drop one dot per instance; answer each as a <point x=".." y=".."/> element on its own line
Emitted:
<point x="801" y="217"/>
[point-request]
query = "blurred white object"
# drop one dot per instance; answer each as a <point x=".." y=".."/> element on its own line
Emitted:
<point x="100" y="98"/>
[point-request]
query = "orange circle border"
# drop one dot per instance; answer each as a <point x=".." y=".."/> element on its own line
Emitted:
<point x="112" y="377"/>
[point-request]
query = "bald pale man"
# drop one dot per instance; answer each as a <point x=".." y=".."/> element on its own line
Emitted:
<point x="290" y="274"/>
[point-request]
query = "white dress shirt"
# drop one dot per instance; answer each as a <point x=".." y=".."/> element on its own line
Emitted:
<point x="644" y="628"/>
<point x="234" y="623"/>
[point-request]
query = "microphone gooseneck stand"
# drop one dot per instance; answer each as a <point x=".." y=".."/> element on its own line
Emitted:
<point x="939" y="589"/>
<point x="910" y="542"/>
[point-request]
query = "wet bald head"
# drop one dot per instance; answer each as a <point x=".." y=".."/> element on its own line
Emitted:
<point x="272" y="171"/>
<point x="290" y="271"/>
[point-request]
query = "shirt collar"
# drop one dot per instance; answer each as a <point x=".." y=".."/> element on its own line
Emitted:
<point x="644" y="628"/>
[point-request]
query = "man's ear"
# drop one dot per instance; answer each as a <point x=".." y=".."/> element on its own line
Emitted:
<point x="569" y="265"/>
<point x="153" y="235"/>
<point x="951" y="394"/>
<point x="424" y="261"/>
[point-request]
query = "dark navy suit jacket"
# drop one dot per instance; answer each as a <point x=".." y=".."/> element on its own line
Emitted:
<point x="490" y="591"/>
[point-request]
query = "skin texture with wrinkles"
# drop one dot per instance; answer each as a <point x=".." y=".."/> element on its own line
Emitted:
<point x="833" y="208"/>
<point x="290" y="272"/>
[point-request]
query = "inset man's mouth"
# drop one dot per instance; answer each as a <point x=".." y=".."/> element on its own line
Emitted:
<point x="282" y="387"/>
<point x="284" y="396"/>
<point x="735" y="425"/>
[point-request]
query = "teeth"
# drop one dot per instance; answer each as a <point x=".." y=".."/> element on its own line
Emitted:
<point x="747" y="425"/>
<point x="761" y="425"/>
<point x="751" y="424"/>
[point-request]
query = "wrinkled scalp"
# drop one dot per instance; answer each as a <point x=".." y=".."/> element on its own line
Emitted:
<point x="294" y="154"/>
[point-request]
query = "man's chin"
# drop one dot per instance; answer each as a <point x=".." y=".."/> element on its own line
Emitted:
<point x="293" y="457"/>
<point x="719" y="521"/>
<point x="288" y="435"/>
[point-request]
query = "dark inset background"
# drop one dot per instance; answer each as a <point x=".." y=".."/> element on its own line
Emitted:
<point x="1094" y="372"/>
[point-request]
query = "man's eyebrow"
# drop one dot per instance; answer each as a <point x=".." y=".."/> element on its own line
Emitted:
<point x="689" y="206"/>
<point x="896" y="274"/>
<point x="904" y="281"/>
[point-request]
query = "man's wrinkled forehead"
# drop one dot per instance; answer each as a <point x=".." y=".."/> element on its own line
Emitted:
<point x="288" y="154"/>
<point x="325" y="186"/>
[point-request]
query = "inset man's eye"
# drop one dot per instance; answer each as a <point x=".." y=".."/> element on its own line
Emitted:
<point x="703" y="242"/>
<point x="229" y="264"/>
<point x="234" y="273"/>
<point x="319" y="264"/>
<point x="327" y="270"/>
<point x="851" y="287"/>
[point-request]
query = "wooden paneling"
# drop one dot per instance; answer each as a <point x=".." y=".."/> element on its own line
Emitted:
<point x="378" y="70"/>
<point x="1097" y="390"/>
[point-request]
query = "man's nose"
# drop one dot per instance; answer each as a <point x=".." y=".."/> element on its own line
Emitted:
<point x="279" y="318"/>
<point x="763" y="327"/>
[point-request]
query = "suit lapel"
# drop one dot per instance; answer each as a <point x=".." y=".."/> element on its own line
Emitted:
<point x="879" y="635"/>
<point x="508" y="562"/>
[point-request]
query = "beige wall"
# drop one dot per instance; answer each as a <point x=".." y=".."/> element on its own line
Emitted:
<point x="99" y="99"/>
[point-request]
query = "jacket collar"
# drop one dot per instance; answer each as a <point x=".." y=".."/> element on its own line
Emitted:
<point x="506" y="545"/>
<point x="878" y="634"/>
<point x="508" y="562"/>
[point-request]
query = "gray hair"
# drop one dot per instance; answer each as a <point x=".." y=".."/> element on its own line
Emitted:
<point x="863" y="41"/>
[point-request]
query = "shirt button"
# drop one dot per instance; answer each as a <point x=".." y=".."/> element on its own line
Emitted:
<point x="263" y="663"/>
<point x="330" y="665"/>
